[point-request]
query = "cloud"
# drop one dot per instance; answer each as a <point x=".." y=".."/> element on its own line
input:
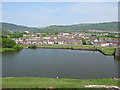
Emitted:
<point x="43" y="14"/>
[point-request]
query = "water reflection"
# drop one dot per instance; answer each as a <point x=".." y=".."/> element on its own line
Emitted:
<point x="58" y="62"/>
<point x="10" y="53"/>
<point x="116" y="57"/>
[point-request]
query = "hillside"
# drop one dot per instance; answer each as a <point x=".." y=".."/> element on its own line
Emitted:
<point x="14" y="27"/>
<point x="110" y="26"/>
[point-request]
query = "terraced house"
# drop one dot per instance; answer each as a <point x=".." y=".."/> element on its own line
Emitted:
<point x="74" y="38"/>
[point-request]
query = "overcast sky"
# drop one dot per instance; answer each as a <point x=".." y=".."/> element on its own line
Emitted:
<point x="42" y="14"/>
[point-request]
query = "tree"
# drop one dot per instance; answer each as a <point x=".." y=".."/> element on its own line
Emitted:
<point x="44" y="35"/>
<point x="52" y="33"/>
<point x="17" y="35"/>
<point x="4" y="36"/>
<point x="83" y="41"/>
<point x="89" y="42"/>
<point x="12" y="36"/>
<point x="7" y="43"/>
<point x="17" y="47"/>
<point x="32" y="47"/>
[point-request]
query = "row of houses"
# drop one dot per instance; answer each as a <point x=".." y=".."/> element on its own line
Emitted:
<point x="44" y="41"/>
<point x="74" y="38"/>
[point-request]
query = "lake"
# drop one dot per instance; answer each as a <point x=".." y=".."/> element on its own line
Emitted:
<point x="61" y="63"/>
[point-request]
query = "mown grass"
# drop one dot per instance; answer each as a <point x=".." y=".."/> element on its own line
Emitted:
<point x="69" y="46"/>
<point x="109" y="50"/>
<point x="41" y="82"/>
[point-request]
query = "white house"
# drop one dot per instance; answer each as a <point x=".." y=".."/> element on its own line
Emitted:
<point x="34" y="42"/>
<point x="46" y="37"/>
<point x="106" y="44"/>
<point x="28" y="42"/>
<point x="95" y="40"/>
<point x="60" y="42"/>
<point x="66" y="34"/>
<point x="44" y="42"/>
<point x="27" y="31"/>
<point x="50" y="42"/>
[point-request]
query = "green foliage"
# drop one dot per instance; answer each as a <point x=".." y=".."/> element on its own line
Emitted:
<point x="16" y="35"/>
<point x="44" y="35"/>
<point x="83" y="41"/>
<point x="4" y="36"/>
<point x="56" y="34"/>
<point x="17" y="47"/>
<point x="32" y="47"/>
<point x="52" y="33"/>
<point x="89" y="42"/>
<point x="14" y="27"/>
<point x="112" y="26"/>
<point x="7" y="43"/>
<point x="103" y="49"/>
<point x="6" y="49"/>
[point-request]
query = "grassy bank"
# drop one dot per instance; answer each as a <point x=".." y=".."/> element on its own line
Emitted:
<point x="15" y="48"/>
<point x="40" y="82"/>
<point x="107" y="50"/>
<point x="6" y="49"/>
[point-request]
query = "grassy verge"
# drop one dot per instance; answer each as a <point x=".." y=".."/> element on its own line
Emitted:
<point x="6" y="49"/>
<point x="69" y="46"/>
<point x="109" y="50"/>
<point x="41" y="82"/>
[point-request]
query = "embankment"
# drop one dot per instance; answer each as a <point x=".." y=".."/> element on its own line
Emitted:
<point x="72" y="48"/>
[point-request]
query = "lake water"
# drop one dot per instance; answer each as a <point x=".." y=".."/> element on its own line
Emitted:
<point x="61" y="63"/>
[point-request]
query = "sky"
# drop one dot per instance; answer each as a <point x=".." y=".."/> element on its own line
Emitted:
<point x="41" y="14"/>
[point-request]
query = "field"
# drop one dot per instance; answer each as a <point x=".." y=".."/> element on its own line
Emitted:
<point x="41" y="82"/>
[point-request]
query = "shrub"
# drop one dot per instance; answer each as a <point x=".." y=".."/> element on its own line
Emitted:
<point x="89" y="43"/>
<point x="83" y="41"/>
<point x="7" y="43"/>
<point x="32" y="47"/>
<point x="44" y="35"/>
<point x="18" y="47"/>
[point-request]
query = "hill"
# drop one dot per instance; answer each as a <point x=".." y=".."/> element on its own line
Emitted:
<point x="14" y="27"/>
<point x="110" y="26"/>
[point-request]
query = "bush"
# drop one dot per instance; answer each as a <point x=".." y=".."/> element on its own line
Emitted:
<point x="18" y="47"/>
<point x="7" y="43"/>
<point x="83" y="41"/>
<point x="44" y="35"/>
<point x="89" y="43"/>
<point x="32" y="47"/>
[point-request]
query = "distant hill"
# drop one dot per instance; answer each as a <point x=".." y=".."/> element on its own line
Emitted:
<point x="110" y="26"/>
<point x="14" y="27"/>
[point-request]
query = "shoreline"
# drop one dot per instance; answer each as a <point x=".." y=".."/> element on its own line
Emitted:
<point x="84" y="48"/>
<point x="72" y="48"/>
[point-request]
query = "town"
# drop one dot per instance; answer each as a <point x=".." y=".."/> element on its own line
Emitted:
<point x="73" y="38"/>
